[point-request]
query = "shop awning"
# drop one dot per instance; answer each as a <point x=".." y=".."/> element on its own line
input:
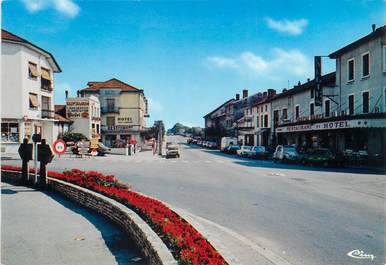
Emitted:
<point x="33" y="69"/>
<point x="46" y="74"/>
<point x="33" y="100"/>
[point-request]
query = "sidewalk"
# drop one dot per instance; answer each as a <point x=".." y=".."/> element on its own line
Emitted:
<point x="44" y="228"/>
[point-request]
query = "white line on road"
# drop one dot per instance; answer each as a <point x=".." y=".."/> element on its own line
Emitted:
<point x="271" y="256"/>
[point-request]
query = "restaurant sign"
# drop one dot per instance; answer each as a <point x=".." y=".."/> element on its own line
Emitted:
<point x="77" y="109"/>
<point x="331" y="125"/>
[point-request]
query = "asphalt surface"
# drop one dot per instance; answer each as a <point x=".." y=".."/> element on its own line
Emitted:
<point x="304" y="215"/>
<point x="44" y="228"/>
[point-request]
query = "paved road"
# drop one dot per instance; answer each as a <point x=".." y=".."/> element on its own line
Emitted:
<point x="303" y="215"/>
<point x="43" y="228"/>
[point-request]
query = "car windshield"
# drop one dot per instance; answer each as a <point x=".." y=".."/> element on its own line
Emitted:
<point x="260" y="148"/>
<point x="247" y="147"/>
<point x="289" y="149"/>
<point x="173" y="147"/>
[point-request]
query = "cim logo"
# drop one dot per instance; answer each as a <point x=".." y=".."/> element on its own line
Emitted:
<point x="360" y="254"/>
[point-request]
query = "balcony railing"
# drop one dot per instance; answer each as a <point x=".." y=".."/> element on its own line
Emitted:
<point x="48" y="114"/>
<point x="113" y="109"/>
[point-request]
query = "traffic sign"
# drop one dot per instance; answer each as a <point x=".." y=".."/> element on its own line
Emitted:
<point x="60" y="147"/>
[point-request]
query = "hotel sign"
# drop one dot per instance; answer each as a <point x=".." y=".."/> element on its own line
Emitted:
<point x="124" y="120"/>
<point x="331" y="125"/>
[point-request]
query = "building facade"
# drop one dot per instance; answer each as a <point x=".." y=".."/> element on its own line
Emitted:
<point x="262" y="119"/>
<point x="27" y="91"/>
<point x="123" y="111"/>
<point x="84" y="112"/>
<point x="352" y="117"/>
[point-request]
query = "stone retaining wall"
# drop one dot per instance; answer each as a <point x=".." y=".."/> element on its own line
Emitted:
<point x="145" y="238"/>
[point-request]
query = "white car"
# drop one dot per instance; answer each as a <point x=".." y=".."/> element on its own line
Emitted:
<point x="172" y="151"/>
<point x="244" y="150"/>
<point x="286" y="153"/>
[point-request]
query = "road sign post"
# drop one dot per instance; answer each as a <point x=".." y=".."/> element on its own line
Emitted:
<point x="36" y="138"/>
<point x="60" y="147"/>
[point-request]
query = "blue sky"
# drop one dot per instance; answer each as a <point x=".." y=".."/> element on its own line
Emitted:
<point x="189" y="56"/>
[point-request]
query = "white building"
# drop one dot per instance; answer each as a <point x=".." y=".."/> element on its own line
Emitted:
<point x="85" y="113"/>
<point x="27" y="91"/>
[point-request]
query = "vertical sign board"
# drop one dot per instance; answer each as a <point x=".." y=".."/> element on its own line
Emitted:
<point x="318" y="75"/>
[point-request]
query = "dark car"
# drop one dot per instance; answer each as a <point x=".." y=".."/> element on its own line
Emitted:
<point x="258" y="152"/>
<point x="232" y="149"/>
<point x="320" y="156"/>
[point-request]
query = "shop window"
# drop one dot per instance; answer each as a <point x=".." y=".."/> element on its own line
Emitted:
<point x="351" y="104"/>
<point x="33" y="101"/>
<point x="297" y="112"/>
<point x="327" y="108"/>
<point x="366" y="64"/>
<point x="9" y="132"/>
<point x="32" y="70"/>
<point x="350" y="69"/>
<point x="365" y="102"/>
<point x="312" y="109"/>
<point x="46" y="79"/>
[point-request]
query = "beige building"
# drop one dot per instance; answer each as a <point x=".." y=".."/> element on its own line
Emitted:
<point x="123" y="111"/>
<point x="84" y="112"/>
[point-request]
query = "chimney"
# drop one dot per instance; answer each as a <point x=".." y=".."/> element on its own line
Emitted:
<point x="265" y="94"/>
<point x="284" y="90"/>
<point x="245" y="93"/>
<point x="373" y="27"/>
<point x="271" y="92"/>
<point x="237" y="96"/>
<point x="308" y="80"/>
<point x="299" y="83"/>
<point x="66" y="94"/>
<point x="78" y="93"/>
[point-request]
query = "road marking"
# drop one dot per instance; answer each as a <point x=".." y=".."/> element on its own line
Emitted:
<point x="271" y="256"/>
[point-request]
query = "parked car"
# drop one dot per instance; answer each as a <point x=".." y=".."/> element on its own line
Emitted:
<point x="103" y="150"/>
<point x="320" y="156"/>
<point x="172" y="151"/>
<point x="227" y="141"/>
<point x="258" y="152"/>
<point x="232" y="149"/>
<point x="243" y="150"/>
<point x="212" y="145"/>
<point x="286" y="153"/>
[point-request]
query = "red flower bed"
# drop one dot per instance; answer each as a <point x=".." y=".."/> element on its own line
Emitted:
<point x="188" y="246"/>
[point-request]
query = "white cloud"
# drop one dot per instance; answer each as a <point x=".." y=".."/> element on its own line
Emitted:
<point x="222" y="62"/>
<point x="282" y="62"/>
<point x="254" y="62"/>
<point x="66" y="7"/>
<point x="291" y="27"/>
<point x="154" y="106"/>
